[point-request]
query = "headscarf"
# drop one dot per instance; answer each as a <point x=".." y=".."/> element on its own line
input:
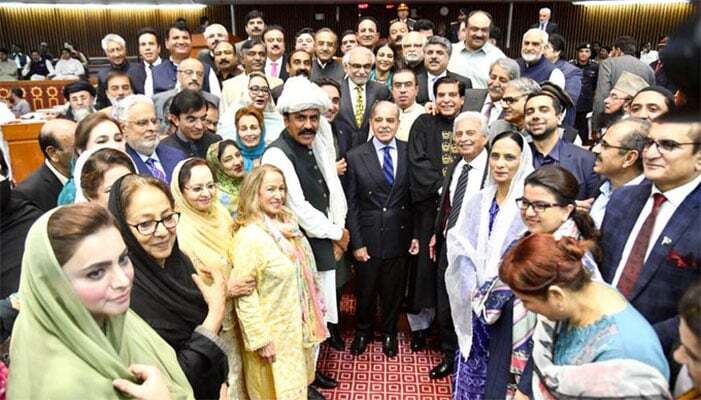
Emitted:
<point x="78" y="171"/>
<point x="251" y="154"/>
<point x="229" y="187"/>
<point x="59" y="351"/>
<point x="473" y="253"/>
<point x="165" y="296"/>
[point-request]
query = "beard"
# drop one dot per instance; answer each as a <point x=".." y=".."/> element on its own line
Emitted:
<point x="531" y="58"/>
<point x="608" y="119"/>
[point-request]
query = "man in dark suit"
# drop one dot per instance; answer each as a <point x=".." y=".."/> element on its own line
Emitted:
<point x="188" y="111"/>
<point x="275" y="60"/>
<point x="43" y="185"/>
<point x="651" y="239"/>
<point x="342" y="133"/>
<point x="137" y="117"/>
<point x="115" y="49"/>
<point x="544" y="23"/>
<point x="141" y="73"/>
<point x="436" y="56"/>
<point x="358" y="94"/>
<point x="325" y="65"/>
<point x="379" y="220"/>
<point x="543" y="111"/>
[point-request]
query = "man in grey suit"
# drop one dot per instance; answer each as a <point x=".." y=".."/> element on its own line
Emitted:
<point x="358" y="94"/>
<point x="622" y="58"/>
<point x="488" y="101"/>
<point x="436" y="56"/>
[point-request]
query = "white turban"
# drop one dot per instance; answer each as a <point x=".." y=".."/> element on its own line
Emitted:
<point x="300" y="94"/>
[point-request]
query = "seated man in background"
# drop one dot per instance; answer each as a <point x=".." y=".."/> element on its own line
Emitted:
<point x="80" y="96"/>
<point x="68" y="67"/>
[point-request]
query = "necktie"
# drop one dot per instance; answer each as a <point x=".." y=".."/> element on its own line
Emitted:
<point x="458" y="196"/>
<point x="155" y="171"/>
<point x="636" y="258"/>
<point x="150" y="66"/>
<point x="359" y="106"/>
<point x="542" y="27"/>
<point x="273" y="69"/>
<point x="388" y="166"/>
<point x="488" y="110"/>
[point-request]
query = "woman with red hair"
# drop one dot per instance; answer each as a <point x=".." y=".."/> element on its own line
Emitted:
<point x="589" y="341"/>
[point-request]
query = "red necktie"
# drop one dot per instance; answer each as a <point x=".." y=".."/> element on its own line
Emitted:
<point x="636" y="258"/>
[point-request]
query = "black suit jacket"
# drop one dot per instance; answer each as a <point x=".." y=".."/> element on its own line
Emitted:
<point x="422" y="96"/>
<point x="379" y="215"/>
<point x="42" y="188"/>
<point x="137" y="74"/>
<point x="550" y="27"/>
<point x="373" y="92"/>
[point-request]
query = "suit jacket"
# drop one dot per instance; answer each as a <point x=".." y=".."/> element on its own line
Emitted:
<point x="165" y="76"/>
<point x="550" y="27"/>
<point x="101" y="100"/>
<point x="379" y="215"/>
<point x="167" y="155"/>
<point x="346" y="114"/>
<point x="422" y="96"/>
<point x="580" y="163"/>
<point x="137" y="74"/>
<point x="333" y="70"/>
<point x="162" y="101"/>
<point x="474" y="99"/>
<point x="664" y="278"/>
<point x="41" y="188"/>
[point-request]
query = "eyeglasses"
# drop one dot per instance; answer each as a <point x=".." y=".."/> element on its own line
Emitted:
<point x="614" y="96"/>
<point x="144" y="122"/>
<point x="512" y="100"/>
<point x="259" y="89"/>
<point x="150" y="227"/>
<point x="666" y="145"/>
<point x="605" y="145"/>
<point x="190" y="72"/>
<point x="361" y="66"/>
<point x="198" y="189"/>
<point x="538" y="206"/>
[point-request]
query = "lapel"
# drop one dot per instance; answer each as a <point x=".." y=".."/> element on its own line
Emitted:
<point x="402" y="163"/>
<point x="423" y="86"/>
<point x="372" y="164"/>
<point x="677" y="225"/>
<point x="369" y="100"/>
<point x="346" y="103"/>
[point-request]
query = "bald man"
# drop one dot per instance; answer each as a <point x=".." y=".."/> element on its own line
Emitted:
<point x="45" y="183"/>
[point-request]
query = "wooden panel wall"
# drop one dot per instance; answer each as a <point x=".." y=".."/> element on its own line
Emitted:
<point x="85" y="28"/>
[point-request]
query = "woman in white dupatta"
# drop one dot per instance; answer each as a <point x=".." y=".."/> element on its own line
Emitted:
<point x="488" y="223"/>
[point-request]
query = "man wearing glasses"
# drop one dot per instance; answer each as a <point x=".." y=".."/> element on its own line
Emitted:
<point x="513" y="102"/>
<point x="619" y="159"/>
<point x="617" y="103"/>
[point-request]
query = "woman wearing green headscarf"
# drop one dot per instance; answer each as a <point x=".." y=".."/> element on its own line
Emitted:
<point x="75" y="334"/>
<point x="226" y="161"/>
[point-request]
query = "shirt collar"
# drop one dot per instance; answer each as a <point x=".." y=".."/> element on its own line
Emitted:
<point x="353" y="85"/>
<point x="59" y="175"/>
<point x="677" y="195"/>
<point x="431" y="76"/>
<point x="379" y="146"/>
<point x="554" y="153"/>
<point x="480" y="161"/>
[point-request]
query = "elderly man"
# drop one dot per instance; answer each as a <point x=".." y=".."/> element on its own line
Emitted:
<point x="141" y="73"/>
<point x="179" y="44"/>
<point x="80" y="96"/>
<point x="651" y="103"/>
<point x="225" y="61"/>
<point x="404" y="90"/>
<point x="358" y="94"/>
<point x="397" y="30"/>
<point x="488" y="101"/>
<point x="533" y="64"/>
<point x="213" y="35"/>
<point x="190" y="76"/>
<point x="275" y="61"/>
<point x="115" y="49"/>
<point x="68" y="67"/>
<point x="188" y="115"/>
<point x="513" y="102"/>
<point x="314" y="191"/>
<point x="254" y="25"/>
<point x="622" y="59"/>
<point x="436" y="54"/>
<point x="413" y="51"/>
<point x="325" y="65"/>
<point x="378" y="191"/>
<point x="619" y="160"/>
<point x="617" y="103"/>
<point x="473" y="57"/>
<point x="544" y="23"/>
<point x="43" y="186"/>
<point x="430" y="156"/>
<point x="137" y="117"/>
<point x="368" y="33"/>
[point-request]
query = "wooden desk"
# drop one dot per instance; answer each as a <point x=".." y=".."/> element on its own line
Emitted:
<point x="39" y="94"/>
<point x="23" y="141"/>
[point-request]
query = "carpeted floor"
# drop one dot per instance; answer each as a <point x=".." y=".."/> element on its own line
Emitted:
<point x="372" y="376"/>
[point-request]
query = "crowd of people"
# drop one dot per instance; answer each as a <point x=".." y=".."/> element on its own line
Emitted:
<point x="195" y="220"/>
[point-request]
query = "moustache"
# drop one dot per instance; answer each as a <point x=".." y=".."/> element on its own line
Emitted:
<point x="307" y="131"/>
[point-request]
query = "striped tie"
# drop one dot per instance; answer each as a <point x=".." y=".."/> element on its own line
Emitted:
<point x="458" y="196"/>
<point x="359" y="106"/>
<point x="388" y="166"/>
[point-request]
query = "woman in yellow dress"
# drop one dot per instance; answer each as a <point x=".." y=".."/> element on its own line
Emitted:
<point x="282" y="321"/>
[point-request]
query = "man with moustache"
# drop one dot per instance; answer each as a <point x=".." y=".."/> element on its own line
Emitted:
<point x="368" y="33"/>
<point x="118" y="87"/>
<point x="141" y="73"/>
<point x="465" y="177"/>
<point x="115" y="49"/>
<point x="431" y="153"/>
<point x="488" y="101"/>
<point x="274" y="38"/>
<point x="513" y="102"/>
<point x="473" y="57"/>
<point x="314" y="192"/>
<point x="188" y="116"/>
<point x="225" y="61"/>
<point x="358" y="94"/>
<point x="298" y="63"/>
<point x="213" y="35"/>
<point x="349" y="39"/>
<point x="80" y="100"/>
<point x="404" y="90"/>
<point x="436" y="54"/>
<point x="190" y="76"/>
<point x="619" y="160"/>
<point x="397" y="30"/>
<point x="412" y="45"/>
<point x="617" y="102"/>
<point x="137" y="117"/>
<point x="325" y="65"/>
<point x="533" y="64"/>
<point x="254" y="26"/>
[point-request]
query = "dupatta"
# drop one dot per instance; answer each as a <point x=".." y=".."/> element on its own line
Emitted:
<point x="227" y="185"/>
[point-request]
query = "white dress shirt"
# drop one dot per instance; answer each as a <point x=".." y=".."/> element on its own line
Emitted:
<point x="70" y="67"/>
<point x="495" y="110"/>
<point x="148" y="83"/>
<point x="598" y="208"/>
<point x="675" y="197"/>
<point x="430" y="81"/>
<point x="154" y="156"/>
<point x="61" y="178"/>
<point x="380" y="152"/>
<point x="474" y="64"/>
<point x="406" y="120"/>
<point x="474" y="176"/>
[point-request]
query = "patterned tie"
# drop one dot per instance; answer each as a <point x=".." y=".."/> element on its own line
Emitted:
<point x="636" y="258"/>
<point x="359" y="106"/>
<point x="273" y="69"/>
<point x="458" y="196"/>
<point x="155" y="171"/>
<point x="388" y="166"/>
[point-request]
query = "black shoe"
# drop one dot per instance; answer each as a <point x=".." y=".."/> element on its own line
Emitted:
<point x="389" y="345"/>
<point x="418" y="340"/>
<point x="443" y="369"/>
<point x="335" y="340"/>
<point x="313" y="394"/>
<point x="360" y="342"/>
<point x="324" y="381"/>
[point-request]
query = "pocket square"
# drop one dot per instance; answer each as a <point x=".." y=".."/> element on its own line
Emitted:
<point x="681" y="261"/>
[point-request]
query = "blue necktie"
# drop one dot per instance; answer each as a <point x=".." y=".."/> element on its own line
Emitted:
<point x="155" y="171"/>
<point x="387" y="166"/>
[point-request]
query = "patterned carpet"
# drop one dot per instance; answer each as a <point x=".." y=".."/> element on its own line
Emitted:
<point x="372" y="376"/>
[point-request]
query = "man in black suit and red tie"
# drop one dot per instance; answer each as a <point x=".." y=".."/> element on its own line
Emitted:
<point x="544" y="23"/>
<point x="380" y="224"/>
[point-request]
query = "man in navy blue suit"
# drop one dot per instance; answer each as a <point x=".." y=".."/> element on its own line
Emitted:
<point x="137" y="116"/>
<point x="141" y="73"/>
<point x="651" y="234"/>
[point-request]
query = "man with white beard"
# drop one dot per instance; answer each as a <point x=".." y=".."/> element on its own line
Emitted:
<point x="137" y="117"/>
<point x="532" y="63"/>
<point x="413" y="51"/>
